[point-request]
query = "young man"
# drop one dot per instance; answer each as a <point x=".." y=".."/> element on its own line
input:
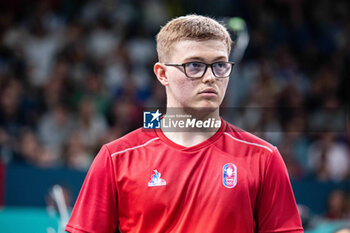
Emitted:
<point x="215" y="180"/>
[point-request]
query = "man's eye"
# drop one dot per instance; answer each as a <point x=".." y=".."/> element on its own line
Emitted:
<point x="194" y="65"/>
<point x="220" y="64"/>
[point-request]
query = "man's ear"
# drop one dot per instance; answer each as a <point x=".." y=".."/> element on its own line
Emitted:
<point x="159" y="71"/>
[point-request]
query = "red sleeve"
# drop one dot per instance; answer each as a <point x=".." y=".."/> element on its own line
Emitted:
<point x="276" y="210"/>
<point x="96" y="207"/>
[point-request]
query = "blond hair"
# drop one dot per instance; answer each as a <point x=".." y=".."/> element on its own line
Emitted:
<point x="190" y="27"/>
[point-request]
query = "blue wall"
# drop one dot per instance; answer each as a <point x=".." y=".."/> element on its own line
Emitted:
<point x="29" y="186"/>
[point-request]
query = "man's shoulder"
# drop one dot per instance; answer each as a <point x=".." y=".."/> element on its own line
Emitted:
<point x="245" y="138"/>
<point x="133" y="140"/>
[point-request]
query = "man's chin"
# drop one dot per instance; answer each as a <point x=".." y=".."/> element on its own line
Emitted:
<point x="208" y="105"/>
<point x="204" y="108"/>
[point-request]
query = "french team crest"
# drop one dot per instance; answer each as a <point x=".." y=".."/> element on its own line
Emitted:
<point x="229" y="175"/>
<point x="156" y="180"/>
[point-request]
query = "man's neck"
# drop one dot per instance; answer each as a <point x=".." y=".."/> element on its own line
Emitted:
<point x="190" y="136"/>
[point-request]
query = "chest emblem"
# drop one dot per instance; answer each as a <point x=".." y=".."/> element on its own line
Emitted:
<point x="156" y="180"/>
<point x="229" y="175"/>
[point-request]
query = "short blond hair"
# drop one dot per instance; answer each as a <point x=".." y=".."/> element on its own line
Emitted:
<point x="190" y="27"/>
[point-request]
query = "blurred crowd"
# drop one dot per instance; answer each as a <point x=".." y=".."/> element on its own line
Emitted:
<point x="76" y="74"/>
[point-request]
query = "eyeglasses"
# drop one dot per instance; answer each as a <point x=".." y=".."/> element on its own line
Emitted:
<point x="197" y="69"/>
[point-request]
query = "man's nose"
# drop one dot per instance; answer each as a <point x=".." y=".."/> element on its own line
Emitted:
<point x="208" y="75"/>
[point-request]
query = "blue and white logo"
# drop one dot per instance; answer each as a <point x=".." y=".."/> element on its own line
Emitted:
<point x="156" y="180"/>
<point x="151" y="120"/>
<point x="229" y="175"/>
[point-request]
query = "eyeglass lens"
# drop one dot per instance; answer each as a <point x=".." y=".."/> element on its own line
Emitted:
<point x="197" y="69"/>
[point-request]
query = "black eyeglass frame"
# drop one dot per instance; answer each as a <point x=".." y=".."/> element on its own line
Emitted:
<point x="205" y="70"/>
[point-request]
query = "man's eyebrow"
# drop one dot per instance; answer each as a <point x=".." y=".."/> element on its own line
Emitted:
<point x="194" y="59"/>
<point x="203" y="60"/>
<point x="220" y="58"/>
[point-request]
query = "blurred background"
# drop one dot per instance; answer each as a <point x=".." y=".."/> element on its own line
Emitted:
<point x="75" y="74"/>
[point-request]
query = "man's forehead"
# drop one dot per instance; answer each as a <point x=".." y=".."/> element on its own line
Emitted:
<point x="199" y="49"/>
<point x="195" y="42"/>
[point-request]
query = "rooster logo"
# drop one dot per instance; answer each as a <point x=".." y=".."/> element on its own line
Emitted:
<point x="156" y="180"/>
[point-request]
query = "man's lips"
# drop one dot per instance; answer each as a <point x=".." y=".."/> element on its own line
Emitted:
<point x="208" y="91"/>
